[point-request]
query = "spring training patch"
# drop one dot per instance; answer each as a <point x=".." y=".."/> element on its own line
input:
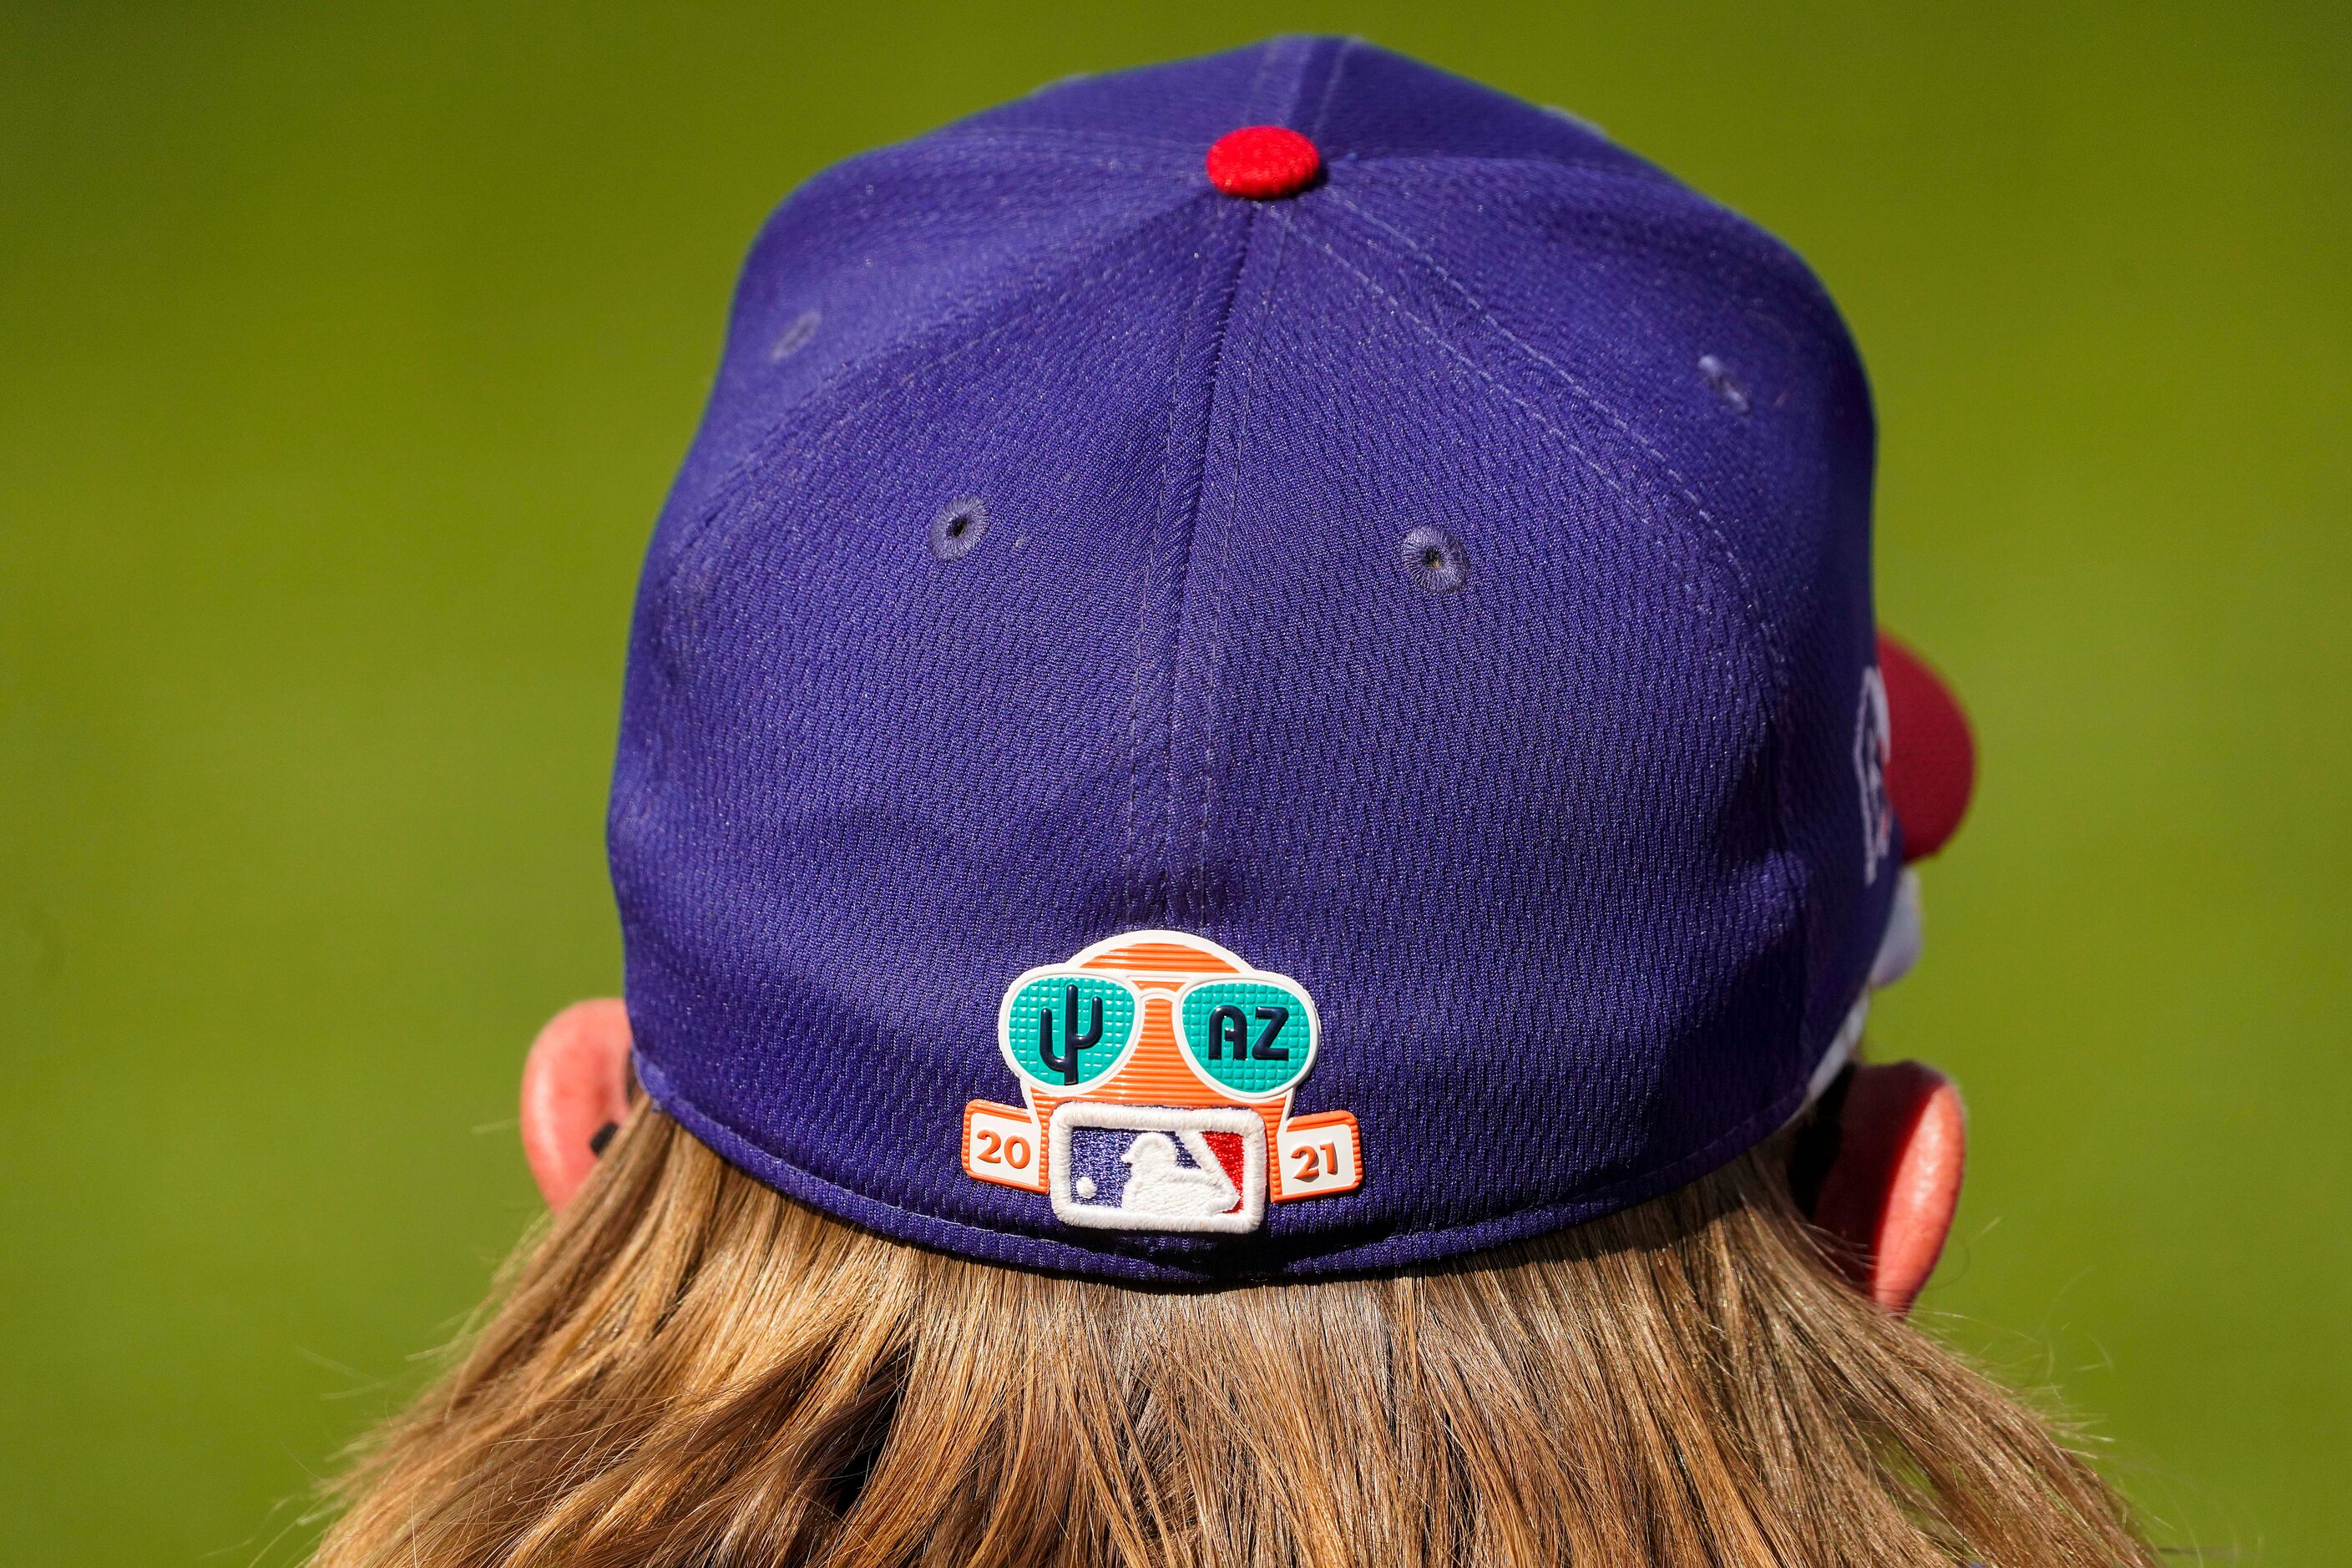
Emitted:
<point x="1156" y="1072"/>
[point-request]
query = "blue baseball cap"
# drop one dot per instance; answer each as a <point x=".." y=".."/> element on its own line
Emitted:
<point x="1261" y="667"/>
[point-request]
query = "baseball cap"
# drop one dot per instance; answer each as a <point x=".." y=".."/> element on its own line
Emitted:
<point x="1264" y="667"/>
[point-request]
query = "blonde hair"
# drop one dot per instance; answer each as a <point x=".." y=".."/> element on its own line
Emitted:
<point x="690" y="1370"/>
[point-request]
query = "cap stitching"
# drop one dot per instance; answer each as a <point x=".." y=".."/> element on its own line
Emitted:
<point x="1766" y="633"/>
<point x="1339" y="57"/>
<point x="1213" y="652"/>
<point x="1751" y="614"/>
<point x="1076" y="151"/>
<point x="1422" y="171"/>
<point x="1629" y="167"/>
<point x="1495" y="384"/>
<point x="1137" y="874"/>
<point x="1045" y="136"/>
<point x="1478" y="309"/>
<point x="1215" y="640"/>
<point x="1196" y="463"/>
<point x="1172" y="873"/>
<point x="729" y="487"/>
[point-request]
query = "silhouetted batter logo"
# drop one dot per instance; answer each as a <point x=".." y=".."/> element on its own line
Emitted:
<point x="1156" y="1073"/>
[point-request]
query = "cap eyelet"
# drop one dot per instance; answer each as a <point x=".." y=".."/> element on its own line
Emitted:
<point x="794" y="337"/>
<point x="958" y="528"/>
<point x="1434" y="558"/>
<point x="1726" y="384"/>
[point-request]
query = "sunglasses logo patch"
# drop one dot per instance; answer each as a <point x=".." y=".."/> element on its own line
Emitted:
<point x="1156" y="1072"/>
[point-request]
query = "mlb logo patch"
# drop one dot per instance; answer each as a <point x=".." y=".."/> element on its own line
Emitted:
<point x="1117" y="1167"/>
<point x="1157" y="1071"/>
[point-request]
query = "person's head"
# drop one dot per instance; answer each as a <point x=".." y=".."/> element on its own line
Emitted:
<point x="1258" y="804"/>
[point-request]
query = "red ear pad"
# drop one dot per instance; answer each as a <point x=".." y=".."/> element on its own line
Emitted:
<point x="1931" y="767"/>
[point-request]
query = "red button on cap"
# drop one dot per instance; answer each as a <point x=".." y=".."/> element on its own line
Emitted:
<point x="1263" y="163"/>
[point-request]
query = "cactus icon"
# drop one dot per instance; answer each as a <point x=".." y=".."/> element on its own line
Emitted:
<point x="1073" y="1042"/>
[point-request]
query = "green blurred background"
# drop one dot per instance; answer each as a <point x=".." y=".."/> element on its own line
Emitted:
<point x="345" y="354"/>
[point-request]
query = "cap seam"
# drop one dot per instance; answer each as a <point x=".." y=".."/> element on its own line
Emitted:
<point x="1625" y="426"/>
<point x="1173" y="869"/>
<point x="969" y="135"/>
<point x="1817" y="295"/>
<point x="1139" y="892"/>
<point x="1749" y="609"/>
<point x="1187" y="478"/>
<point x="1213" y="622"/>
<point x="1023" y="307"/>
<point x="1186" y="481"/>
<point x="1644" y="173"/>
<point x="1749" y="613"/>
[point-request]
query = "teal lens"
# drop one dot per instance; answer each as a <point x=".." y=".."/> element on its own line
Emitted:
<point x="1067" y="1031"/>
<point x="1251" y="1036"/>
